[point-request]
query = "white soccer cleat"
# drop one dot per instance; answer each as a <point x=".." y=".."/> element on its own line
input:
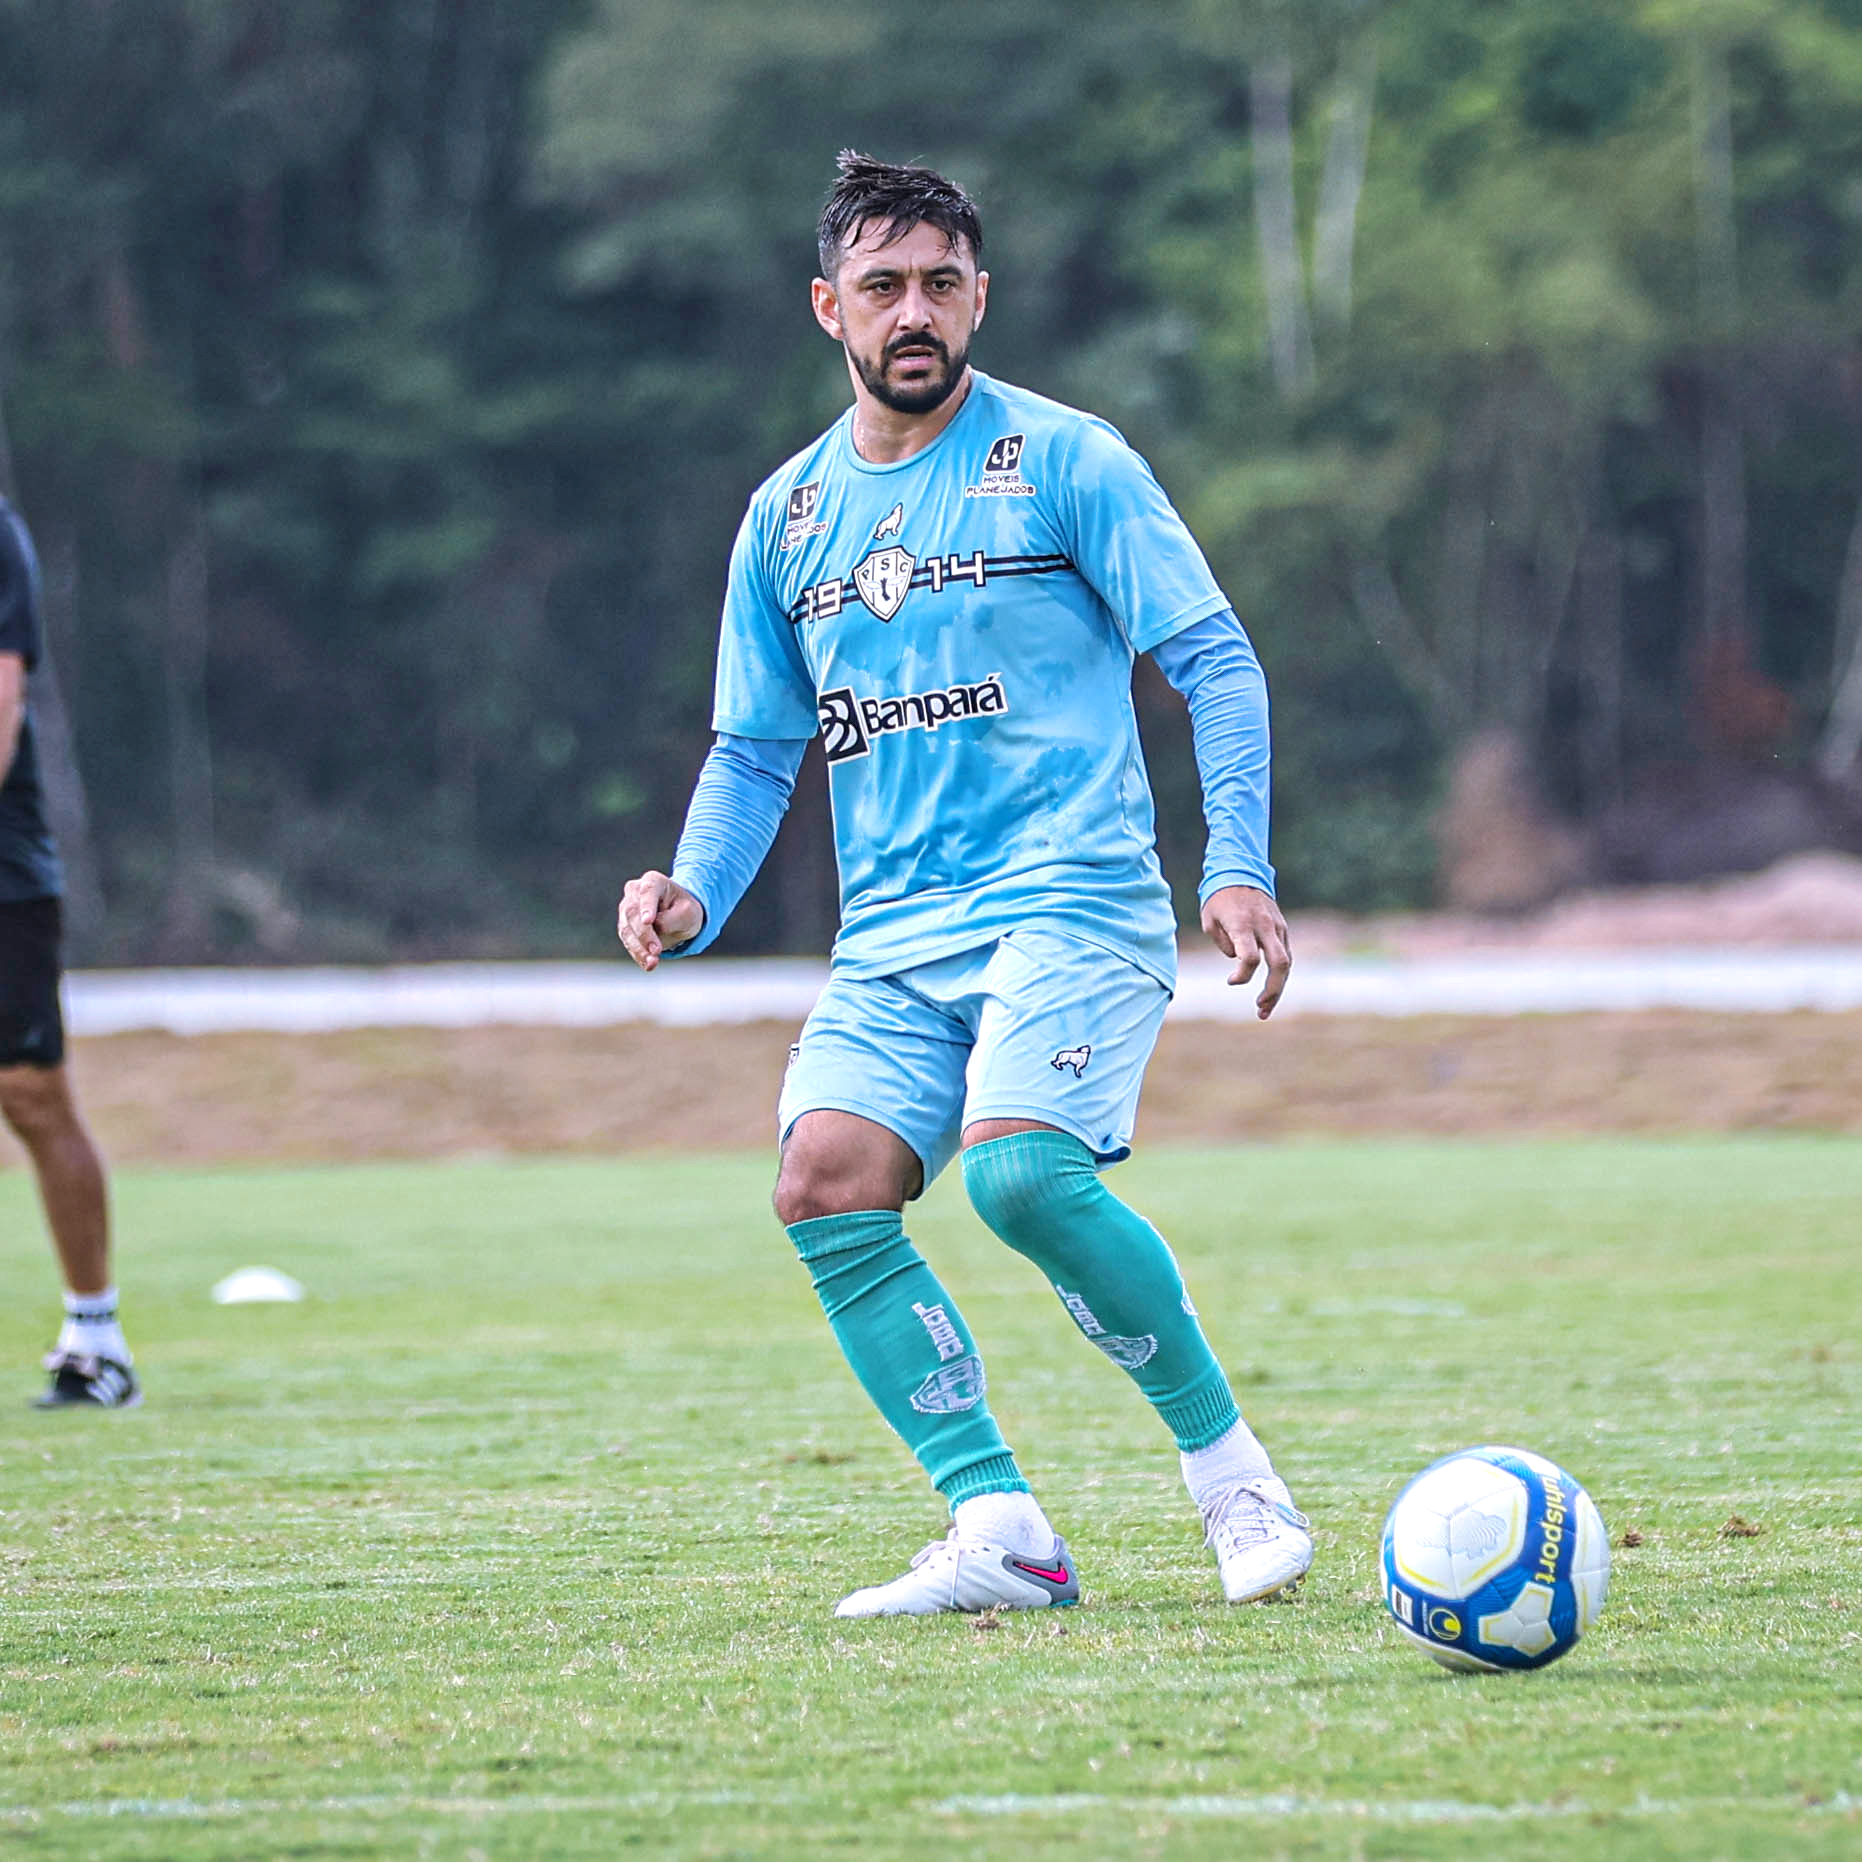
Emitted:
<point x="1259" y="1538"/>
<point x="969" y="1575"/>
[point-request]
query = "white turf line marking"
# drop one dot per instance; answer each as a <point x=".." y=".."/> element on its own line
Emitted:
<point x="1397" y="1810"/>
<point x="204" y="1809"/>
<point x="1392" y="1810"/>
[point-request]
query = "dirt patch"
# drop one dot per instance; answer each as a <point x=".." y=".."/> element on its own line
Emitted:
<point x="1811" y="898"/>
<point x="423" y="1092"/>
<point x="432" y="1092"/>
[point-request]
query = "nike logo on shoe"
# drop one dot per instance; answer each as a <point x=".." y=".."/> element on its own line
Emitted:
<point x="1058" y="1574"/>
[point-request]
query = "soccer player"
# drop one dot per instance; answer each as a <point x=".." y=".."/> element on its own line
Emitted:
<point x="950" y="586"/>
<point x="91" y="1363"/>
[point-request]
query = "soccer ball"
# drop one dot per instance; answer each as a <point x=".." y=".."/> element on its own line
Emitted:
<point x="1494" y="1558"/>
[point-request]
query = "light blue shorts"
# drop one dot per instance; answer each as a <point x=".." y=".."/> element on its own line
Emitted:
<point x="1040" y="1025"/>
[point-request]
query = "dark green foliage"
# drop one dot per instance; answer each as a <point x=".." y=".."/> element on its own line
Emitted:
<point x="452" y="335"/>
<point x="1582" y="75"/>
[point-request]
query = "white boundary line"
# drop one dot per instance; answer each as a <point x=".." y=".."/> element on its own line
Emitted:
<point x="1382" y="1810"/>
<point x="1063" y="1804"/>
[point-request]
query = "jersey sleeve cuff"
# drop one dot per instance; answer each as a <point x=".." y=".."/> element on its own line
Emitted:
<point x="698" y="886"/>
<point x="801" y="727"/>
<point x="1261" y="878"/>
<point x="1216" y="603"/>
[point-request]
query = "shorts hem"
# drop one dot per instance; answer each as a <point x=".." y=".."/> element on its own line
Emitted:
<point x="1046" y="1115"/>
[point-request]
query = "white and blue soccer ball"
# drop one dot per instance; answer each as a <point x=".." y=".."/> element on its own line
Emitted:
<point x="1495" y="1558"/>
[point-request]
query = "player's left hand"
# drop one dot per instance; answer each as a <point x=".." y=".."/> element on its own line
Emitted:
<point x="1246" y="925"/>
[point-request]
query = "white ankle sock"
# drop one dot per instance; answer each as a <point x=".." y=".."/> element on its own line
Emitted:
<point x="91" y="1328"/>
<point x="1229" y="1459"/>
<point x="1013" y="1521"/>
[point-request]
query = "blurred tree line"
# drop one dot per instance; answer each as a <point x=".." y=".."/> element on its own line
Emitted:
<point x="384" y="380"/>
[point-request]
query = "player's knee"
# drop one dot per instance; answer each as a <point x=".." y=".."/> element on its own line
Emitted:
<point x="809" y="1187"/>
<point x="1031" y="1194"/>
<point x="807" y="1191"/>
<point x="804" y="1192"/>
<point x="829" y="1174"/>
<point x="35" y="1101"/>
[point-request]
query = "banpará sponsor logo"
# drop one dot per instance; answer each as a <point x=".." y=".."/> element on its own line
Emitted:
<point x="849" y="723"/>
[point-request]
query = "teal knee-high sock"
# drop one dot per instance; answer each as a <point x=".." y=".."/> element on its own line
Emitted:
<point x="908" y="1345"/>
<point x="1113" y="1271"/>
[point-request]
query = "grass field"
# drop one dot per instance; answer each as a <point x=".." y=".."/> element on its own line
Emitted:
<point x="521" y="1535"/>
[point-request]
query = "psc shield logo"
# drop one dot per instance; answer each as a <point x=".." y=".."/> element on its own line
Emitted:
<point x="884" y="579"/>
<point x="1005" y="456"/>
<point x="842" y="733"/>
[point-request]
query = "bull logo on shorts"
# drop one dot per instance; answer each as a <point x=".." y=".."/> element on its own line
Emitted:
<point x="1074" y="1057"/>
<point x="884" y="579"/>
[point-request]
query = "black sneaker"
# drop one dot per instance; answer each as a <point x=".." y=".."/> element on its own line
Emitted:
<point x="78" y="1379"/>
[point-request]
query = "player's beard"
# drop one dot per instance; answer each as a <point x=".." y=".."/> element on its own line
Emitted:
<point x="931" y="393"/>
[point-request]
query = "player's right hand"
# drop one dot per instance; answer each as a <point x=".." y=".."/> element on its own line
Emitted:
<point x="656" y="915"/>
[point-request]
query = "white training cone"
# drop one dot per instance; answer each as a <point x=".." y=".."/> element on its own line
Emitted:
<point x="251" y="1284"/>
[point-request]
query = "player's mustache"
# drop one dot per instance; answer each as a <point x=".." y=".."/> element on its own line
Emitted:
<point x="900" y="344"/>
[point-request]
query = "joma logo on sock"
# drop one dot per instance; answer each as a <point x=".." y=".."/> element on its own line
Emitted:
<point x="944" y="1336"/>
<point x="1082" y="1313"/>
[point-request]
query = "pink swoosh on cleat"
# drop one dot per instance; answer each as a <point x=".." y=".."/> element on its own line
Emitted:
<point x="1058" y="1575"/>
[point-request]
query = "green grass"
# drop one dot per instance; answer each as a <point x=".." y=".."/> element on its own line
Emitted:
<point x="520" y="1536"/>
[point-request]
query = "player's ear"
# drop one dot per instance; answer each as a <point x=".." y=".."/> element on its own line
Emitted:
<point x="826" y="302"/>
<point x="982" y="301"/>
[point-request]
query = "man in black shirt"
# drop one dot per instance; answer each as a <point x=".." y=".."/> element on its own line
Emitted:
<point x="91" y="1362"/>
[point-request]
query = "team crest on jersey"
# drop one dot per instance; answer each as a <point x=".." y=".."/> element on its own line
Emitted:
<point x="884" y="579"/>
<point x="801" y="522"/>
<point x="1002" y="471"/>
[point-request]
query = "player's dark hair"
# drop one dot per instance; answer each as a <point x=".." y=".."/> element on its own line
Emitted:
<point x="900" y="195"/>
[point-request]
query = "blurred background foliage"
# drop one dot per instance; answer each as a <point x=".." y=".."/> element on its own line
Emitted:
<point x="384" y="380"/>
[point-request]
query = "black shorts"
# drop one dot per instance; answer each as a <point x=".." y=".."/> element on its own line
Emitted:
<point x="32" y="1030"/>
